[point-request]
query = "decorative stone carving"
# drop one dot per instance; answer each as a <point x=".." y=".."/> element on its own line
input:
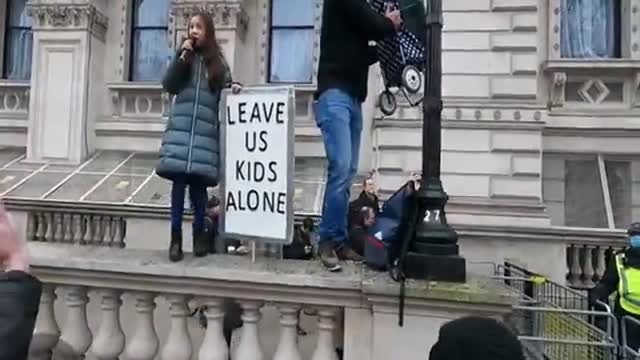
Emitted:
<point x="80" y="16"/>
<point x="558" y="88"/>
<point x="225" y="14"/>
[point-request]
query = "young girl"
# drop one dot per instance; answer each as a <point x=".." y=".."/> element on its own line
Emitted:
<point x="189" y="155"/>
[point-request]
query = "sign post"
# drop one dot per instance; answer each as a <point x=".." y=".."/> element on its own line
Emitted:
<point x="257" y="165"/>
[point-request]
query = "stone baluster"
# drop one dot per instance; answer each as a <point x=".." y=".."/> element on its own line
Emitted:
<point x="58" y="236"/>
<point x="31" y="226"/>
<point x="107" y="236"/>
<point x="120" y="230"/>
<point x="143" y="345"/>
<point x="178" y="345"/>
<point x="325" y="348"/>
<point x="601" y="264"/>
<point x="49" y="227"/>
<point x="109" y="342"/>
<point x="98" y="230"/>
<point x="587" y="268"/>
<point x="288" y="346"/>
<point x="67" y="235"/>
<point x="214" y="345"/>
<point x="249" y="347"/>
<point x="78" y="232"/>
<point x="46" y="331"/>
<point x="76" y="333"/>
<point x="41" y="227"/>
<point x="89" y="227"/>
<point x="575" y="270"/>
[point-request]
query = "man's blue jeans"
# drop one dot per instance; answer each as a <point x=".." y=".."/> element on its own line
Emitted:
<point x="339" y="117"/>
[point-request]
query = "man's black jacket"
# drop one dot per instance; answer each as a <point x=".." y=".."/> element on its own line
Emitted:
<point x="19" y="300"/>
<point x="345" y="54"/>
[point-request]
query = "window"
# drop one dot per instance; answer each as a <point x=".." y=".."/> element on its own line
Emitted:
<point x="598" y="193"/>
<point x="590" y="29"/>
<point x="18" y="42"/>
<point x="150" y="50"/>
<point x="292" y="41"/>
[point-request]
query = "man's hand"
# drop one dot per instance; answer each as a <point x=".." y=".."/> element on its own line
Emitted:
<point x="393" y="15"/>
<point x="13" y="248"/>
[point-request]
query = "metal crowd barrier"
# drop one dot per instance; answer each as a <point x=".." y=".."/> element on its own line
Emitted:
<point x="555" y="322"/>
<point x="629" y="352"/>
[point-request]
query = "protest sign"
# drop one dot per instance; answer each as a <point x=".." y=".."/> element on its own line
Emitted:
<point x="257" y="142"/>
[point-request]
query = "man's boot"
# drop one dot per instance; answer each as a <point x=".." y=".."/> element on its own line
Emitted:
<point x="175" y="247"/>
<point x="200" y="244"/>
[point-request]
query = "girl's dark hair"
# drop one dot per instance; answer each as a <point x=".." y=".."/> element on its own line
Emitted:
<point x="212" y="52"/>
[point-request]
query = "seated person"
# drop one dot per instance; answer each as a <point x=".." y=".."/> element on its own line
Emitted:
<point x="359" y="227"/>
<point x="234" y="247"/>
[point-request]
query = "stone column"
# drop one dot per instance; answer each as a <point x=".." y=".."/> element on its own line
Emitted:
<point x="229" y="18"/>
<point x="68" y="48"/>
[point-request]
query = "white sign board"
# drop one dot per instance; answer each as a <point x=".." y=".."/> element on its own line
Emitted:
<point x="256" y="185"/>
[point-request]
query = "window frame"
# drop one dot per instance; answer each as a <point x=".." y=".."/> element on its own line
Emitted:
<point x="269" y="48"/>
<point x="131" y="38"/>
<point x="601" y="160"/>
<point x="6" y="26"/>
<point x="629" y="47"/>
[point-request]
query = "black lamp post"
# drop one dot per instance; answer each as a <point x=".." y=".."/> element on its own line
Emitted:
<point x="433" y="252"/>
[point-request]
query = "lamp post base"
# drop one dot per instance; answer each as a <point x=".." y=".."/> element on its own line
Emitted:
<point x="450" y="268"/>
<point x="434" y="251"/>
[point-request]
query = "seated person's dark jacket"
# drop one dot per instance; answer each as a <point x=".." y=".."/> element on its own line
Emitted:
<point x="19" y="300"/>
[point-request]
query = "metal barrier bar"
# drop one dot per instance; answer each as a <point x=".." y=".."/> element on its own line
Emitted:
<point x="629" y="353"/>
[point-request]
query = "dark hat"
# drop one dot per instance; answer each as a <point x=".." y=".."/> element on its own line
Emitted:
<point x="476" y="338"/>
<point x="634" y="229"/>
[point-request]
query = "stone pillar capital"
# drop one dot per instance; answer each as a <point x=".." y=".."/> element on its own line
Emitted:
<point x="69" y="16"/>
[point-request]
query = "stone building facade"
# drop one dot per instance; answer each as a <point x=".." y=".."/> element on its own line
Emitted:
<point x="533" y="135"/>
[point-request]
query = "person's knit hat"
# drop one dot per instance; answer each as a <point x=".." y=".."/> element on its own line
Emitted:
<point x="476" y="338"/>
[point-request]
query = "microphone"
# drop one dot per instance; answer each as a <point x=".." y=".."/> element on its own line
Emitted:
<point x="184" y="52"/>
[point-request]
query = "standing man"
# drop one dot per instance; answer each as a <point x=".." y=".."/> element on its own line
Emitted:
<point x="623" y="277"/>
<point x="345" y="57"/>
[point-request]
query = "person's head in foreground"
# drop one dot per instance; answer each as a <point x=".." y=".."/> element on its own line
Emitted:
<point x="476" y="338"/>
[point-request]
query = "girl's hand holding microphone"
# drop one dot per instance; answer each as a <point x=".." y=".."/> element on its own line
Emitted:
<point x="187" y="46"/>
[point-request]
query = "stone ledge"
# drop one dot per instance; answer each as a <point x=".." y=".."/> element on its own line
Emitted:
<point x="269" y="280"/>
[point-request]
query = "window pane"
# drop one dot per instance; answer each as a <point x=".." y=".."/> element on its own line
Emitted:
<point x="590" y="28"/>
<point x="584" y="201"/>
<point x="292" y="12"/>
<point x="150" y="55"/>
<point x="619" y="179"/>
<point x="151" y="13"/>
<point x="18" y="54"/>
<point x="17" y="14"/>
<point x="292" y="55"/>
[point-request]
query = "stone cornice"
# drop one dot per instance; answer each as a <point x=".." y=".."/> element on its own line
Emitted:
<point x="226" y="14"/>
<point x="68" y="16"/>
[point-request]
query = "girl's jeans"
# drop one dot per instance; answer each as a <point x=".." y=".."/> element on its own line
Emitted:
<point x="198" y="196"/>
<point x="339" y="117"/>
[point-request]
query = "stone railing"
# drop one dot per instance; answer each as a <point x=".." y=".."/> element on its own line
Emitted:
<point x="76" y="228"/>
<point x="108" y="303"/>
<point x="138" y="102"/>
<point x="14" y="100"/>
<point x="587" y="260"/>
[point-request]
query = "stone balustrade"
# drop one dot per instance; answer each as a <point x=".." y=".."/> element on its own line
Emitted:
<point x="76" y="228"/>
<point x="587" y="261"/>
<point x="110" y="303"/>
